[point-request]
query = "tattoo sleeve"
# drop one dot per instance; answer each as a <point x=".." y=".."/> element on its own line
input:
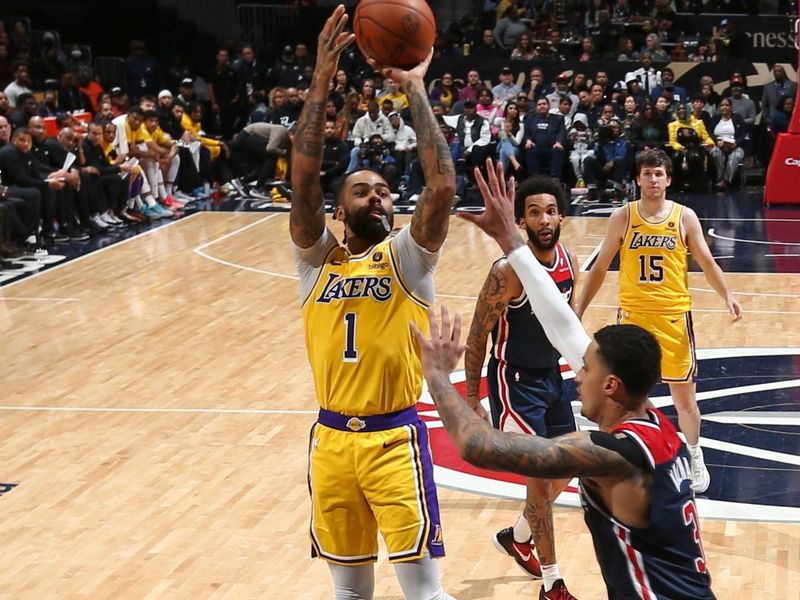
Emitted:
<point x="492" y="301"/>
<point x="307" y="217"/>
<point x="431" y="217"/>
<point x="567" y="456"/>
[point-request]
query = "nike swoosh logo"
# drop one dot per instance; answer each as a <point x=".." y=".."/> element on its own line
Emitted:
<point x="524" y="556"/>
<point x="394" y="443"/>
<point x="635" y="226"/>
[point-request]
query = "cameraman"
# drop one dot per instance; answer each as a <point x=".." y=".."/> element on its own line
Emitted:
<point x="374" y="122"/>
<point x="375" y="155"/>
<point x="611" y="162"/>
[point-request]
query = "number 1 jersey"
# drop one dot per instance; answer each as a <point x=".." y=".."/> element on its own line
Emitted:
<point x="653" y="264"/>
<point x="356" y="312"/>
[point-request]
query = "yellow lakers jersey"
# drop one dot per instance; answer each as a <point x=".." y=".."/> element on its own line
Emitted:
<point x="363" y="356"/>
<point x="653" y="270"/>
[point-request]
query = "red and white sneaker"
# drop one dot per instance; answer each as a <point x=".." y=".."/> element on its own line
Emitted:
<point x="559" y="591"/>
<point x="172" y="203"/>
<point x="523" y="553"/>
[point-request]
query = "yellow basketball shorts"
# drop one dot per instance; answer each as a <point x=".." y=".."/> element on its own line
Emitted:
<point x="369" y="481"/>
<point x="675" y="336"/>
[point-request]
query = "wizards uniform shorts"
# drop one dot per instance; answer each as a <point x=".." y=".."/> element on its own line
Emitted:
<point x="370" y="474"/>
<point x="675" y="335"/>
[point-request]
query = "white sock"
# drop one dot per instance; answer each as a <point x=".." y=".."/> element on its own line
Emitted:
<point x="692" y="448"/>
<point x="522" y="531"/>
<point x="149" y="200"/>
<point x="550" y="575"/>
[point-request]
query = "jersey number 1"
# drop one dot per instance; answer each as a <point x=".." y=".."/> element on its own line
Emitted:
<point x="350" y="352"/>
<point x="650" y="268"/>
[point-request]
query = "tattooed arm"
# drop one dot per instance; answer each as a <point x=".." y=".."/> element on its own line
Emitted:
<point x="307" y="217"/>
<point x="566" y="456"/>
<point x="432" y="215"/>
<point x="500" y="288"/>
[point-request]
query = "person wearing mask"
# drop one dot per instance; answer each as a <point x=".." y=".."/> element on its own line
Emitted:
<point x="405" y="143"/>
<point x="335" y="157"/>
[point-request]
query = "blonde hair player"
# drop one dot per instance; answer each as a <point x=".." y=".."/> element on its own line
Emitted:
<point x="654" y="236"/>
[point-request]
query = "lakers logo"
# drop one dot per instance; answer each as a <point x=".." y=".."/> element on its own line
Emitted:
<point x="438" y="539"/>
<point x="356" y="424"/>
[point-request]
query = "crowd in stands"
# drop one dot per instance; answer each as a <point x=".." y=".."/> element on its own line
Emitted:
<point x="79" y="156"/>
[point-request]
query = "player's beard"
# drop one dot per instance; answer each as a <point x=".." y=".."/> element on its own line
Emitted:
<point x="367" y="228"/>
<point x="534" y="238"/>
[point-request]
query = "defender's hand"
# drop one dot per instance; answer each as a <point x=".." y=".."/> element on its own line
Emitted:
<point x="441" y="353"/>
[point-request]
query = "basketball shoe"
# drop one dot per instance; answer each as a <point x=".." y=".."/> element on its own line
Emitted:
<point x="523" y="553"/>
<point x="700" y="476"/>
<point x="559" y="591"/>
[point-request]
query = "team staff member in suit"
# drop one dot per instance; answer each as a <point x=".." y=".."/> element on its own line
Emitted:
<point x="21" y="175"/>
<point x="369" y="462"/>
<point x="634" y="473"/>
<point x="544" y="139"/>
<point x="526" y="392"/>
<point x="654" y="236"/>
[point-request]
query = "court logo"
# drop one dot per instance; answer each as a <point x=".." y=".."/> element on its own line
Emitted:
<point x="6" y="487"/>
<point x="750" y="403"/>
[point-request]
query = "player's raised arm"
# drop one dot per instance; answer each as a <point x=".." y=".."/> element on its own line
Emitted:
<point x="307" y="218"/>
<point x="702" y="254"/>
<point x="615" y="232"/>
<point x="481" y="445"/>
<point x="431" y="218"/>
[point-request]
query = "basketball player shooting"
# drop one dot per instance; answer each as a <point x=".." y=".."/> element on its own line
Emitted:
<point x="370" y="467"/>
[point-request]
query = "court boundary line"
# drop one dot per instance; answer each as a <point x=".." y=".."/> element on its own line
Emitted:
<point x="199" y="250"/>
<point x="65" y="263"/>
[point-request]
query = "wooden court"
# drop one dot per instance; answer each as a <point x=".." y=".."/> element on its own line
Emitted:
<point x="156" y="404"/>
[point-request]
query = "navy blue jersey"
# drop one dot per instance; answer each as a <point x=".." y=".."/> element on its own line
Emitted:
<point x="518" y="338"/>
<point x="665" y="560"/>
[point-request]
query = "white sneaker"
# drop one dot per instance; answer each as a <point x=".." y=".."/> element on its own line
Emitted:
<point x="114" y="219"/>
<point x="701" y="479"/>
<point x="99" y="222"/>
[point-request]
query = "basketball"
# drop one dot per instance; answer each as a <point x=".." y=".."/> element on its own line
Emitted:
<point x="396" y="33"/>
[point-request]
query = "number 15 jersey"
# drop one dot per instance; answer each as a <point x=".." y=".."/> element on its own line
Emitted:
<point x="653" y="264"/>
<point x="356" y="312"/>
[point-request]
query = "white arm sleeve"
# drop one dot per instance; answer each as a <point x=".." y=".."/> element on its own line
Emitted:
<point x="561" y="325"/>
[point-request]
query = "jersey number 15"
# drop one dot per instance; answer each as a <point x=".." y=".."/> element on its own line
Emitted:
<point x="651" y="269"/>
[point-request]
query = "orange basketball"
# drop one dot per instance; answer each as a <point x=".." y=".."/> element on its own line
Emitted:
<point x="396" y="33"/>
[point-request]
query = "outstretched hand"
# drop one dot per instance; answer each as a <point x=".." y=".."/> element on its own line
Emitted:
<point x="497" y="220"/>
<point x="440" y="353"/>
<point x="333" y="39"/>
<point x="402" y="76"/>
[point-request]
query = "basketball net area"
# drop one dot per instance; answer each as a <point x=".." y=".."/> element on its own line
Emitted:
<point x="783" y="173"/>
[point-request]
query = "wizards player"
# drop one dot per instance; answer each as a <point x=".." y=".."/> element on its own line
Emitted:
<point x="526" y="391"/>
